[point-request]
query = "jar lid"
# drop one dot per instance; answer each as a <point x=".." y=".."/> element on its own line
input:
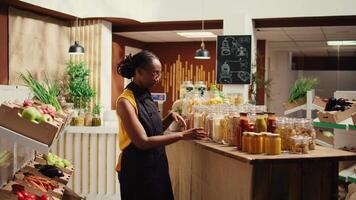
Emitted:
<point x="274" y="135"/>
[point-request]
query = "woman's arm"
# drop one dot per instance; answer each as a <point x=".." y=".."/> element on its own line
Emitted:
<point x="137" y="133"/>
<point x="173" y="116"/>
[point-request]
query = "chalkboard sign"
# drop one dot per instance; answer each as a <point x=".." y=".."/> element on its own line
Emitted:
<point x="233" y="59"/>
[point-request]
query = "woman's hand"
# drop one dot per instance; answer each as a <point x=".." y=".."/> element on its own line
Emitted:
<point x="179" y="119"/>
<point x="194" y="133"/>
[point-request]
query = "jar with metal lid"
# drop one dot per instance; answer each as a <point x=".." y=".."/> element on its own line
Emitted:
<point x="264" y="138"/>
<point x="246" y="142"/>
<point x="273" y="144"/>
<point x="256" y="143"/>
<point x="260" y="123"/>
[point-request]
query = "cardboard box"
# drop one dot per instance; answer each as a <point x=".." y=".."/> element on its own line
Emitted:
<point x="336" y="116"/>
<point x="43" y="132"/>
<point x="299" y="102"/>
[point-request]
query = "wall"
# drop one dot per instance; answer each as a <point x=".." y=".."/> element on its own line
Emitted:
<point x="283" y="77"/>
<point x="118" y="54"/>
<point x="38" y="44"/>
<point x="177" y="57"/>
<point x="4" y="45"/>
<point x="330" y="81"/>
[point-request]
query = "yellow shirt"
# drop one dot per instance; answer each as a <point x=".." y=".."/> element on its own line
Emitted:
<point x="124" y="139"/>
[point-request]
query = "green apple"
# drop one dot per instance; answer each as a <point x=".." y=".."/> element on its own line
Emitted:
<point x="45" y="118"/>
<point x="31" y="113"/>
<point x="66" y="162"/>
<point x="59" y="164"/>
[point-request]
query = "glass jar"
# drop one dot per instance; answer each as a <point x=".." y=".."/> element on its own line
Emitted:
<point x="209" y="123"/>
<point x="244" y="126"/>
<point x="200" y="86"/>
<point x="216" y="131"/>
<point x="185" y="87"/>
<point x="271" y="122"/>
<point x="273" y="144"/>
<point x="198" y="112"/>
<point x="233" y="128"/>
<point x="256" y="143"/>
<point x="299" y="144"/>
<point x="246" y="142"/>
<point x="264" y="141"/>
<point x="260" y="123"/>
<point x="223" y="129"/>
<point x="285" y="128"/>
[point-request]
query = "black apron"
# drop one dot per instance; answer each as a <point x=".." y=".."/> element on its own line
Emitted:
<point x="144" y="173"/>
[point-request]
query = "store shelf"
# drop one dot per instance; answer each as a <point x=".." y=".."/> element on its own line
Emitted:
<point x="345" y="125"/>
<point x="308" y="106"/>
<point x="25" y="141"/>
<point x="93" y="129"/>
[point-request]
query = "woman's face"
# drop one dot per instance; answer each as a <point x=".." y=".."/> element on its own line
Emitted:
<point x="150" y="75"/>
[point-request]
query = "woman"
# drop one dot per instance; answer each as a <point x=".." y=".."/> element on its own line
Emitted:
<point x="143" y="166"/>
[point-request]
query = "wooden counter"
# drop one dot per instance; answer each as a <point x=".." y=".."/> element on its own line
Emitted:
<point x="210" y="171"/>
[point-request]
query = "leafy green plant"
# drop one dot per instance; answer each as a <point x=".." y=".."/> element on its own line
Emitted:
<point x="301" y="87"/>
<point x="78" y="84"/>
<point x="45" y="92"/>
<point x="97" y="109"/>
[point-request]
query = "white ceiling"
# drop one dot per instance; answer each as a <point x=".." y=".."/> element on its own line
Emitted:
<point x="306" y="41"/>
<point x="166" y="36"/>
<point x="309" y="41"/>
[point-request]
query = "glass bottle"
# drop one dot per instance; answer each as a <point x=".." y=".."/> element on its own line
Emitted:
<point x="271" y="122"/>
<point x="260" y="123"/>
<point x="244" y="126"/>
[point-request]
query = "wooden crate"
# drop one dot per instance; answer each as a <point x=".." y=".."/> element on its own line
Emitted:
<point x="44" y="132"/>
<point x="299" y="102"/>
<point x="336" y="116"/>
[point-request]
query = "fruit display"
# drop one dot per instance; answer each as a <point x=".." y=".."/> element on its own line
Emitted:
<point x="42" y="184"/>
<point x="5" y="157"/>
<point x="340" y="104"/>
<point x="55" y="160"/>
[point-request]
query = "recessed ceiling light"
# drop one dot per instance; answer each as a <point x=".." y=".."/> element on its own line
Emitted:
<point x="197" y="34"/>
<point x="342" y="43"/>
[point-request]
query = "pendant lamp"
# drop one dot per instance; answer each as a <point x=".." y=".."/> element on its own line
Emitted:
<point x="202" y="53"/>
<point x="76" y="48"/>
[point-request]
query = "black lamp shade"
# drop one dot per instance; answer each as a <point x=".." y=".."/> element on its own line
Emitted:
<point x="202" y="54"/>
<point x="76" y="48"/>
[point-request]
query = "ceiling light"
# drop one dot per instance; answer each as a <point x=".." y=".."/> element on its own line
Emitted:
<point x="202" y="53"/>
<point x="197" y="34"/>
<point x="342" y="43"/>
<point x="76" y="48"/>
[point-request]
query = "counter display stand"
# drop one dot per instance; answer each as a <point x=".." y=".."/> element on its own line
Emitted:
<point x="206" y="170"/>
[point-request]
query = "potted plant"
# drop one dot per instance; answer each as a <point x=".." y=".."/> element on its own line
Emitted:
<point x="79" y="90"/>
<point x="96" y="115"/>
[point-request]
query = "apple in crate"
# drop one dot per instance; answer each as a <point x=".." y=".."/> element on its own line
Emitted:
<point x="31" y="113"/>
